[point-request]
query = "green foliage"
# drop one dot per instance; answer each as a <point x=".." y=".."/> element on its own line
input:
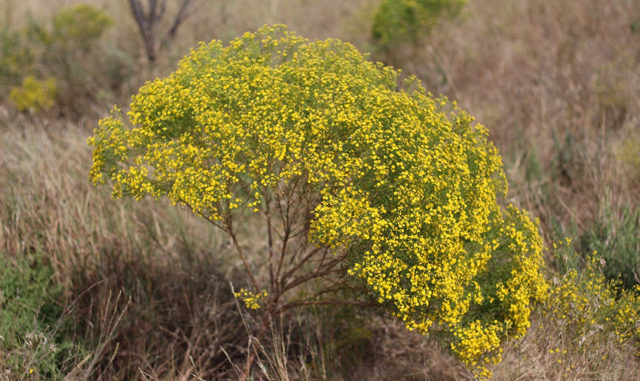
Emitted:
<point x="34" y="95"/>
<point x="614" y="92"/>
<point x="32" y="341"/>
<point x="82" y="73"/>
<point x="402" y="186"/>
<point x="568" y="163"/>
<point x="615" y="237"/>
<point x="15" y="57"/>
<point x="20" y="51"/>
<point x="82" y="23"/>
<point x="407" y="20"/>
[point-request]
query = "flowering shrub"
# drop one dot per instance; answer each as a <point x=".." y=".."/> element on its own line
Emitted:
<point x="251" y="300"/>
<point x="585" y="308"/>
<point x="398" y="20"/>
<point x="353" y="174"/>
<point x="34" y="94"/>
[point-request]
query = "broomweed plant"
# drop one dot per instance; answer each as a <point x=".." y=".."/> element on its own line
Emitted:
<point x="363" y="183"/>
<point x="584" y="301"/>
<point x="34" y="94"/>
<point x="251" y="300"/>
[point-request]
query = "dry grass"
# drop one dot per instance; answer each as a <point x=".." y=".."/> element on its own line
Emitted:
<point x="147" y="284"/>
<point x="597" y="356"/>
<point x="165" y="264"/>
<point x="557" y="84"/>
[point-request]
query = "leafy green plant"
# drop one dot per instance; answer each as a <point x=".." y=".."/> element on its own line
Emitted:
<point x="33" y="344"/>
<point x="20" y="51"/>
<point x="361" y="184"/>
<point x="407" y="20"/>
<point x="614" y="236"/>
<point x="82" y="24"/>
<point x="15" y="57"/>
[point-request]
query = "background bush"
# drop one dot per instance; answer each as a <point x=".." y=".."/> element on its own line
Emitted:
<point x="81" y="24"/>
<point x="34" y="95"/>
<point x="69" y="54"/>
<point x="401" y="21"/>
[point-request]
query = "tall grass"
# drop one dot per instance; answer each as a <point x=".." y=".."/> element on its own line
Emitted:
<point x="174" y="311"/>
<point x="554" y="78"/>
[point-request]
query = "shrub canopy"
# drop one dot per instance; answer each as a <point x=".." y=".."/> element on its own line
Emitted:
<point x="405" y="184"/>
<point x="82" y="23"/>
<point x="407" y="20"/>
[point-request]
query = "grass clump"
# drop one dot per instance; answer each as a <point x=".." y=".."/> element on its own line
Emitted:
<point x="615" y="238"/>
<point x="34" y="341"/>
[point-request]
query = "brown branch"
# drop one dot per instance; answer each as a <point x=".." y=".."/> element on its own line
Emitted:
<point x="145" y="26"/>
<point x="147" y="21"/>
<point x="283" y="252"/>
<point x="211" y="221"/>
<point x="284" y="214"/>
<point x="312" y="275"/>
<point x="180" y="17"/>
<point x="301" y="262"/>
<point x="291" y="305"/>
<point x="267" y="200"/>
<point x="286" y="221"/>
<point x="229" y="225"/>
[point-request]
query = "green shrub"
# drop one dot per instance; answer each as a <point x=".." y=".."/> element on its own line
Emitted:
<point x="20" y="51"/>
<point x="407" y="20"/>
<point x="357" y="180"/>
<point x="82" y="24"/>
<point x="15" y="57"/>
<point x="34" y="95"/>
<point x="616" y="238"/>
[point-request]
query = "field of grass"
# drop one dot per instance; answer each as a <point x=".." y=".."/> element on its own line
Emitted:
<point x="96" y="288"/>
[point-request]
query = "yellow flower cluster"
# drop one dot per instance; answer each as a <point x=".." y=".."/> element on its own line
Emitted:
<point x="405" y="184"/>
<point x="34" y="94"/>
<point x="476" y="339"/>
<point x="584" y="299"/>
<point x="250" y="299"/>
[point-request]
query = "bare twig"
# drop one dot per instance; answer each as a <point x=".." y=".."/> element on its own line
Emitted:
<point x="234" y="239"/>
<point x="291" y="305"/>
